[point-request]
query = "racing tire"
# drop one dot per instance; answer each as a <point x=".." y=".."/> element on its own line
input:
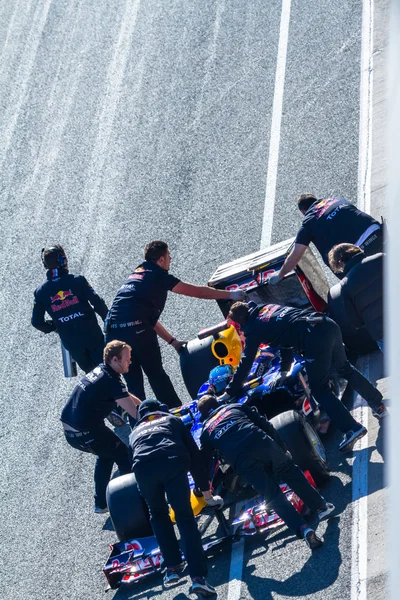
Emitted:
<point x="197" y="360"/>
<point x="358" y="341"/>
<point x="304" y="444"/>
<point x="128" y="510"/>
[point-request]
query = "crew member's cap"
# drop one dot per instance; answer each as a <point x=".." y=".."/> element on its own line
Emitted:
<point x="151" y="405"/>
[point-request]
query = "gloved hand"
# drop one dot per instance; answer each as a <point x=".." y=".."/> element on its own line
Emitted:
<point x="224" y="397"/>
<point x="238" y="295"/>
<point x="273" y="279"/>
<point x="178" y="345"/>
<point x="215" y="501"/>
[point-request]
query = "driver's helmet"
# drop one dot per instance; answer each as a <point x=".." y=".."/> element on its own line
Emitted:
<point x="220" y="377"/>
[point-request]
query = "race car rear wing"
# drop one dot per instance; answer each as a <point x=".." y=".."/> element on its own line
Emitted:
<point x="306" y="286"/>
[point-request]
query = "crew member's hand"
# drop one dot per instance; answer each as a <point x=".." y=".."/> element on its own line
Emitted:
<point x="178" y="345"/>
<point x="238" y="295"/>
<point x="224" y="397"/>
<point x="215" y="501"/>
<point x="273" y="279"/>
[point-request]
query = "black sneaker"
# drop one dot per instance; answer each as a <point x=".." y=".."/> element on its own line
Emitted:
<point x="350" y="438"/>
<point x="202" y="588"/>
<point x="325" y="513"/>
<point x="173" y="574"/>
<point x="380" y="411"/>
<point x="311" y="538"/>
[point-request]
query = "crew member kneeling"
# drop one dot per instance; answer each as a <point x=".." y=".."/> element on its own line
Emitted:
<point x="262" y="460"/>
<point x="83" y="417"/>
<point x="163" y="453"/>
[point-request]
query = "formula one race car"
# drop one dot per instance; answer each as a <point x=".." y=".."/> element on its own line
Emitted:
<point x="305" y="287"/>
<point x="137" y="554"/>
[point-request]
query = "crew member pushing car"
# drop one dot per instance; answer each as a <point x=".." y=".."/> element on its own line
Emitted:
<point x="319" y="339"/>
<point x="329" y="222"/>
<point x="163" y="453"/>
<point x="134" y="317"/>
<point x="71" y="303"/>
<point x="83" y="417"/>
<point x="262" y="460"/>
<point x="361" y="289"/>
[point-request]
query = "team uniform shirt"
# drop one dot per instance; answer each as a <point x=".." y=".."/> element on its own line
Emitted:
<point x="70" y="301"/>
<point x="272" y="324"/>
<point x="93" y="398"/>
<point x="334" y="221"/>
<point x="161" y="436"/>
<point x="235" y="429"/>
<point x="142" y="297"/>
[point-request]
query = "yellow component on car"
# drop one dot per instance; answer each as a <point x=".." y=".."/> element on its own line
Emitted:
<point x="227" y="348"/>
<point x="197" y="505"/>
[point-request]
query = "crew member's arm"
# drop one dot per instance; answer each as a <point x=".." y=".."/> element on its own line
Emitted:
<point x="291" y="261"/>
<point x="91" y="296"/>
<point x="206" y="292"/>
<point x="167" y="337"/>
<point x="263" y="423"/>
<point x="38" y="321"/>
<point x="246" y="361"/>
<point x="129" y="403"/>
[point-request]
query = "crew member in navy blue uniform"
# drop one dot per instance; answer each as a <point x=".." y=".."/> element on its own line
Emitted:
<point x="319" y="339"/>
<point x="134" y="317"/>
<point x="163" y="452"/>
<point x="329" y="222"/>
<point x="261" y="459"/>
<point x="83" y="417"/>
<point x="71" y="303"/>
<point x="361" y="289"/>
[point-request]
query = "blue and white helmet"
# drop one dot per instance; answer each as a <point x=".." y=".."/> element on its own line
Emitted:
<point x="220" y="377"/>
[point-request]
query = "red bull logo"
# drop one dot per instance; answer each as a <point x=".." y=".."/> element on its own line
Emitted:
<point x="63" y="299"/>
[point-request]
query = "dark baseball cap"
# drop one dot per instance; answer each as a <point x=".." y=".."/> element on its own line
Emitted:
<point x="151" y="405"/>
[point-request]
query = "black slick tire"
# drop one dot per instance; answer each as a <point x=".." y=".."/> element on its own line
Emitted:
<point x="128" y="510"/>
<point x="304" y="444"/>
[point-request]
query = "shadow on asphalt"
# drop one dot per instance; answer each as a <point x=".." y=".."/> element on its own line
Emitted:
<point x="313" y="576"/>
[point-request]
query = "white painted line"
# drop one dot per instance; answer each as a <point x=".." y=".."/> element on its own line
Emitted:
<point x="275" y="137"/>
<point x="360" y="503"/>
<point x="365" y="136"/>
<point x="359" y="546"/>
<point x="236" y="567"/>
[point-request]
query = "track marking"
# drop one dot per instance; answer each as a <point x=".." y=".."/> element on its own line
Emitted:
<point x="365" y="135"/>
<point x="275" y="137"/>
<point x="359" y="500"/>
<point x="236" y="567"/>
<point x="359" y="547"/>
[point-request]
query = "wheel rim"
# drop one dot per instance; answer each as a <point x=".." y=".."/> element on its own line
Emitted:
<point x="316" y="444"/>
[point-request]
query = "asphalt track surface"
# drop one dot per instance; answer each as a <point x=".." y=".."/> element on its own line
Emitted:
<point x="122" y="122"/>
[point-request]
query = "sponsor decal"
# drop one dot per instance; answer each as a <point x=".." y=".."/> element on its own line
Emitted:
<point x="267" y="311"/>
<point x="93" y="375"/>
<point x="71" y="317"/>
<point x="82" y="385"/>
<point x="224" y="429"/>
<point x="324" y="205"/>
<point x="63" y="299"/>
<point x="214" y="421"/>
<point x="260" y="279"/>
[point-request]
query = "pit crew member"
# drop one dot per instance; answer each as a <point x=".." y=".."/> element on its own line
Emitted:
<point x="163" y="453"/>
<point x="329" y="222"/>
<point x="319" y="339"/>
<point x="134" y="318"/>
<point x="262" y="460"/>
<point x="71" y="303"/>
<point x="361" y="290"/>
<point x="84" y="413"/>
